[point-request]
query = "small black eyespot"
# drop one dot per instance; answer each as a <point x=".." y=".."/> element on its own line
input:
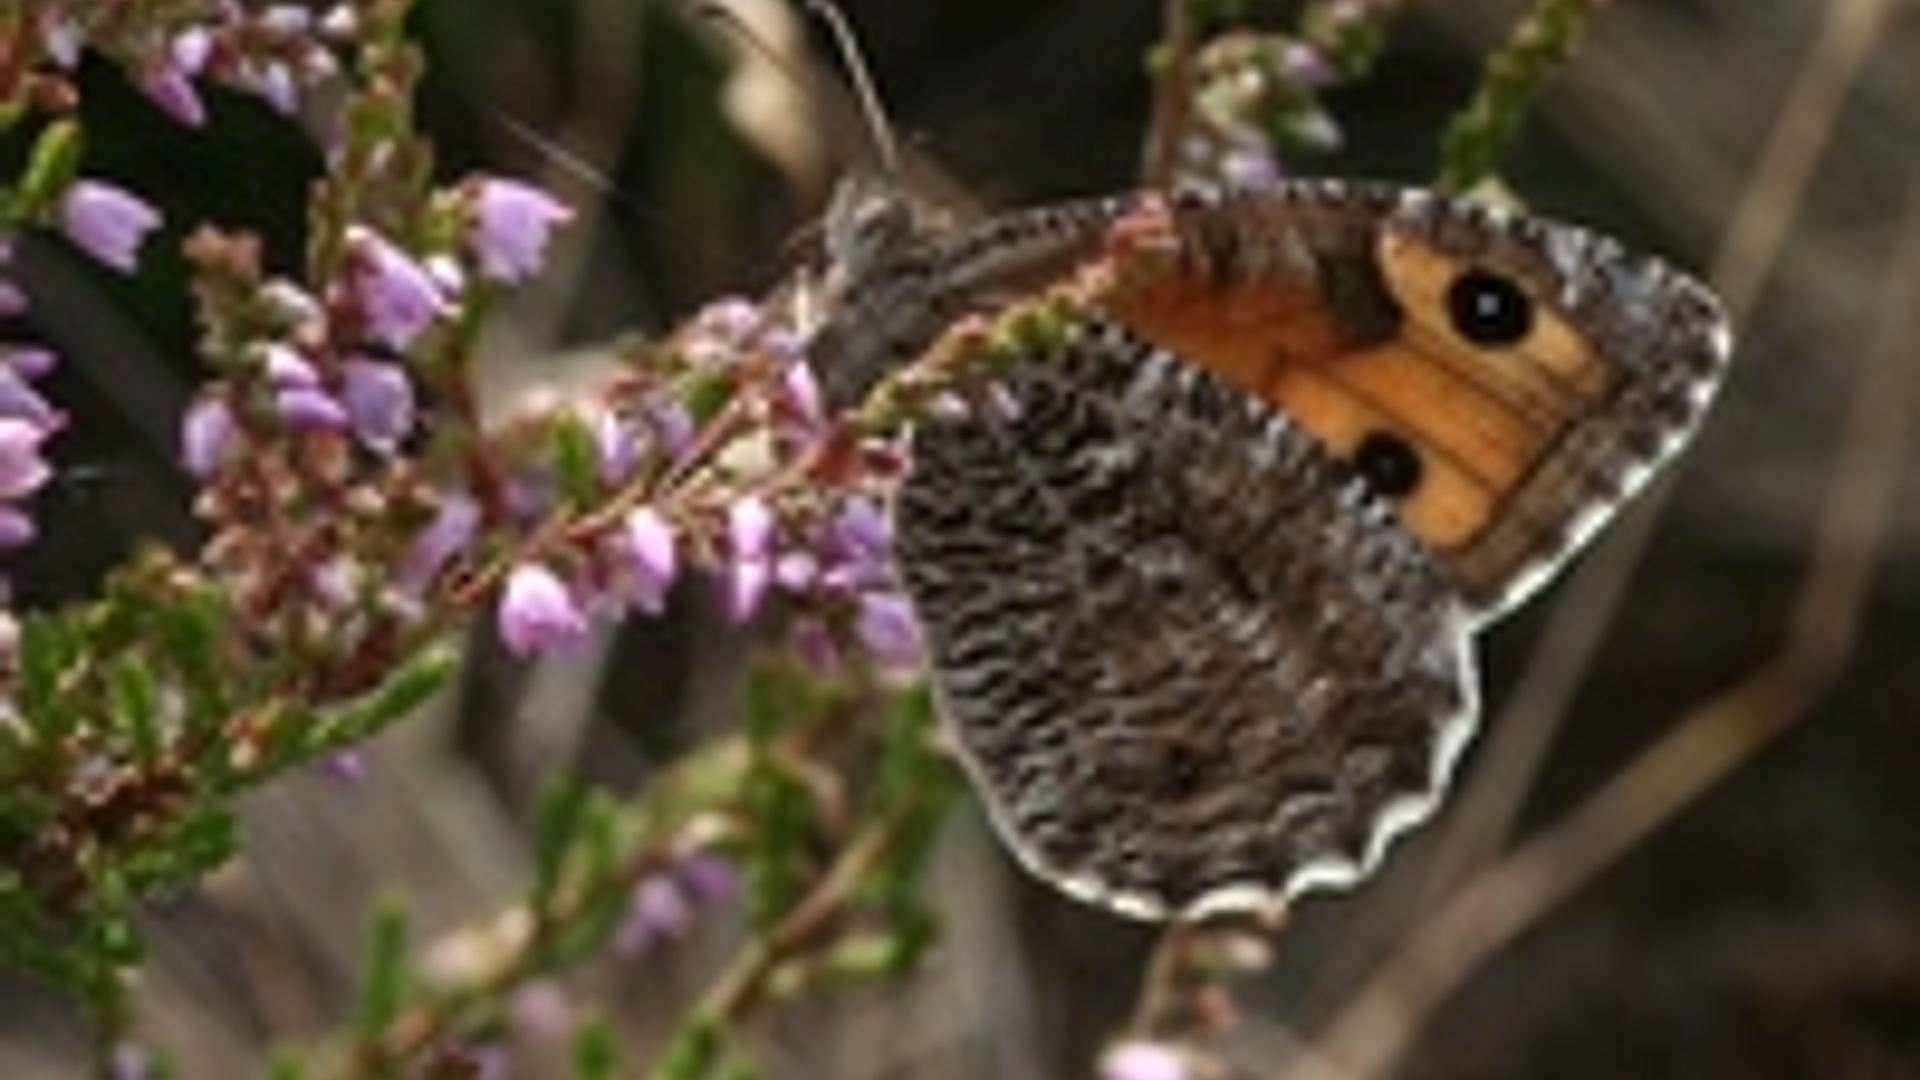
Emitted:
<point x="1489" y="309"/>
<point x="1388" y="464"/>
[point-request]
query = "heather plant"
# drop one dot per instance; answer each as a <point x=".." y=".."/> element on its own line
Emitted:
<point x="360" y="505"/>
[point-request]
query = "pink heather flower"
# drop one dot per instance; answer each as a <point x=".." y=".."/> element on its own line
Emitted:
<point x="885" y="624"/>
<point x="709" y="877"/>
<point x="796" y="571"/>
<point x="169" y="79"/>
<point x="670" y="423"/>
<point x="395" y="293"/>
<point x="660" y="911"/>
<point x="309" y="408"/>
<point x="1144" y="1061"/>
<point x="206" y="435"/>
<point x="652" y="560"/>
<point x="450" y="532"/>
<point x="510" y="225"/>
<point x="538" y="613"/>
<point x="21" y="401"/>
<point x="29" y="361"/>
<point x="801" y="392"/>
<point x="109" y="223"/>
<point x="750" y="543"/>
<point x="746" y="586"/>
<point x="16" y="528"/>
<point x="348" y="766"/>
<point x="271" y="81"/>
<point x="286" y="368"/>
<point x="614" y="444"/>
<point x="12" y="300"/>
<point x="750" y="529"/>
<point x="63" y="38"/>
<point x="541" y="1009"/>
<point x="379" y="402"/>
<point x="861" y="530"/>
<point x="22" y="468"/>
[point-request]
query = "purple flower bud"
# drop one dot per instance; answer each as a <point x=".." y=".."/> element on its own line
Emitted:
<point x="12" y="300"/>
<point x="796" y="571"/>
<point x="1144" y="1061"/>
<point x="63" y="37"/>
<point x="285" y="20"/>
<point x="653" y="562"/>
<point x="396" y="295"/>
<point x="22" y="468"/>
<point x="379" y="402"/>
<point x="450" y="532"/>
<point x="1305" y="66"/>
<point x="750" y="543"/>
<point x="307" y="408"/>
<point x="272" y="81"/>
<point x="660" y="911"/>
<point x="541" y="1009"/>
<point x="801" y="392"/>
<point x="206" y="435"/>
<point x="885" y="624"/>
<point x="709" y="877"/>
<point x="16" y="528"/>
<point x="30" y="361"/>
<point x="670" y="423"/>
<point x="348" y="766"/>
<point x="169" y="79"/>
<point x="750" y="529"/>
<point x="510" y="225"/>
<point x="615" y="445"/>
<point x="286" y="368"/>
<point x="107" y="222"/>
<point x="22" y="402"/>
<point x="537" y="612"/>
<point x="861" y="530"/>
<point x="745" y="587"/>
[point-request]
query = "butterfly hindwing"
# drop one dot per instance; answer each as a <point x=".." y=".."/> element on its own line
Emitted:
<point x="1171" y="704"/>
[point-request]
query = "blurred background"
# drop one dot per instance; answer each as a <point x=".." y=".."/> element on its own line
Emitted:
<point x="1704" y="746"/>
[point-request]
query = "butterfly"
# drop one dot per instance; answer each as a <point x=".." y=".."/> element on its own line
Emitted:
<point x="1200" y="582"/>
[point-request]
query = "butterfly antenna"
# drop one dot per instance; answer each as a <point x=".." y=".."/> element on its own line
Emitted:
<point x="550" y="149"/>
<point x="879" y="128"/>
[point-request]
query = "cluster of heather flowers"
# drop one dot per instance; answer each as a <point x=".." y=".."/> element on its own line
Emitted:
<point x="275" y="52"/>
<point x="757" y="486"/>
<point x="1255" y="98"/>
<point x="110" y="225"/>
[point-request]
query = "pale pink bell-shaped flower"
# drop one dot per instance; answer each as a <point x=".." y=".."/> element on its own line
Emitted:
<point x="538" y="613"/>
<point x="510" y="226"/>
<point x="107" y="222"/>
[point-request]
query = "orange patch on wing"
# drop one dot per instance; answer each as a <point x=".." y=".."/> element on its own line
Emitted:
<point x="1480" y="418"/>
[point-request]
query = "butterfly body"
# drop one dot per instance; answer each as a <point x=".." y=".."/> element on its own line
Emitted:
<point x="1200" y="590"/>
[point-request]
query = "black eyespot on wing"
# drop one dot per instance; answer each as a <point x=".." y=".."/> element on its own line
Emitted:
<point x="1489" y="309"/>
<point x="1388" y="464"/>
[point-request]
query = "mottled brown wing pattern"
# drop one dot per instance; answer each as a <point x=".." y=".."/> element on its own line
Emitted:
<point x="1174" y="699"/>
<point x="1507" y="380"/>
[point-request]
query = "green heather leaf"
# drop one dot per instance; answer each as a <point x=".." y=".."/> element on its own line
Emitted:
<point x="563" y="805"/>
<point x="596" y="1054"/>
<point x="136" y="706"/>
<point x="576" y="459"/>
<point x="383" y="986"/>
<point x="54" y="163"/>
